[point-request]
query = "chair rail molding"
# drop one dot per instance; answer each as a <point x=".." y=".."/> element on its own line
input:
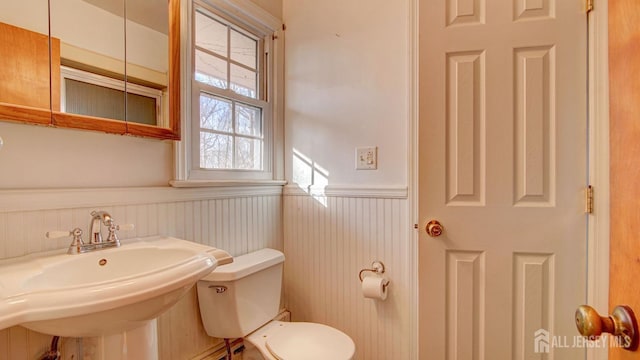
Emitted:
<point x="50" y="199"/>
<point x="381" y="192"/>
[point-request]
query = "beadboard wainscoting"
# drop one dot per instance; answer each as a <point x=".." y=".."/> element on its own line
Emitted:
<point x="329" y="238"/>
<point x="238" y="220"/>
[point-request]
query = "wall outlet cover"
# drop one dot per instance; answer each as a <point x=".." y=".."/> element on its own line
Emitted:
<point x="367" y="158"/>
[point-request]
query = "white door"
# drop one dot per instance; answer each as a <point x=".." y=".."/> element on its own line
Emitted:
<point x="502" y="167"/>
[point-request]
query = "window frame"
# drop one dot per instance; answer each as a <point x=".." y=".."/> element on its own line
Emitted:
<point x="245" y="17"/>
<point x="95" y="79"/>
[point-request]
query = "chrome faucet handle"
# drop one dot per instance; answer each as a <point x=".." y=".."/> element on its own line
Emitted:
<point x="126" y="227"/>
<point x="54" y="234"/>
<point x="76" y="245"/>
<point x="113" y="237"/>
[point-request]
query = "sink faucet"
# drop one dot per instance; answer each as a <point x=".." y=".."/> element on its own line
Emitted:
<point x="98" y="218"/>
<point x="95" y="228"/>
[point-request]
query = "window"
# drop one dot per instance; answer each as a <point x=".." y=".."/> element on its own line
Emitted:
<point x="91" y="94"/>
<point x="231" y="111"/>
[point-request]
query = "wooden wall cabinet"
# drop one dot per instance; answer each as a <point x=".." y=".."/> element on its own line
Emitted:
<point x="32" y="86"/>
<point x="24" y="75"/>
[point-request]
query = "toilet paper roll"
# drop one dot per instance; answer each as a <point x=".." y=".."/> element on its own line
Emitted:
<point x="374" y="287"/>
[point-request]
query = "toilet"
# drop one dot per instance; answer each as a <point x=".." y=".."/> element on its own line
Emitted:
<point x="240" y="300"/>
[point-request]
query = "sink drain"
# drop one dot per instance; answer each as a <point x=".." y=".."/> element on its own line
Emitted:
<point x="102" y="262"/>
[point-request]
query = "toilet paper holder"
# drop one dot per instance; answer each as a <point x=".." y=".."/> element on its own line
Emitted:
<point x="376" y="267"/>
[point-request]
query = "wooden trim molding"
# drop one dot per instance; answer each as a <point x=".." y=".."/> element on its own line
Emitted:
<point x="143" y="130"/>
<point x="24" y="114"/>
<point x="74" y="121"/>
<point x="174" y="68"/>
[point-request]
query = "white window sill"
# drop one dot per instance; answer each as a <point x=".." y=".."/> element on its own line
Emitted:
<point x="224" y="183"/>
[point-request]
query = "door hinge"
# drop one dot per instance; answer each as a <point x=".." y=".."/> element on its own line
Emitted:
<point x="588" y="195"/>
<point x="589" y="5"/>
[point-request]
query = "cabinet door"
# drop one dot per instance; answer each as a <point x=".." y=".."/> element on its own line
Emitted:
<point x="147" y="61"/>
<point x="24" y="61"/>
<point x="152" y="36"/>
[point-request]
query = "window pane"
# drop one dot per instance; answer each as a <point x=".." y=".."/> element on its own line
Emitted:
<point x="216" y="151"/>
<point x="211" y="70"/>
<point x="243" y="81"/>
<point x="248" y="153"/>
<point x="211" y="34"/>
<point x="141" y="109"/>
<point x="243" y="49"/>
<point x="215" y="113"/>
<point x="248" y="120"/>
<point x="94" y="100"/>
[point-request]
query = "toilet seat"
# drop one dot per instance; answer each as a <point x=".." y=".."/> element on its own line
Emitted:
<point x="308" y="341"/>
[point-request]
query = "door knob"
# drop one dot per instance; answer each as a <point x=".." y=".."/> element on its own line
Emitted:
<point x="434" y="228"/>
<point x="622" y="323"/>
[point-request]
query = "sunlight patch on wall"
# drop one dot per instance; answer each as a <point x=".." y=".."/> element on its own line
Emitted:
<point x="310" y="177"/>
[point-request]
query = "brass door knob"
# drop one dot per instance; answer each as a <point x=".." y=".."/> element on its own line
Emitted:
<point x="434" y="228"/>
<point x="622" y="323"/>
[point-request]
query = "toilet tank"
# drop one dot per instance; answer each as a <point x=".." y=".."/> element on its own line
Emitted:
<point x="238" y="298"/>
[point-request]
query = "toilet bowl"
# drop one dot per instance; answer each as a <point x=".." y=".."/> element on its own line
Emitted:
<point x="239" y="300"/>
<point x="300" y="340"/>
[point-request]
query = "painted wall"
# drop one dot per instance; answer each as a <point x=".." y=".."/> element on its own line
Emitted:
<point x="43" y="157"/>
<point x="274" y="7"/>
<point x="347" y="84"/>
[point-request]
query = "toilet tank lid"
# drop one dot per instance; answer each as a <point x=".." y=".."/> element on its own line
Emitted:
<point x="247" y="264"/>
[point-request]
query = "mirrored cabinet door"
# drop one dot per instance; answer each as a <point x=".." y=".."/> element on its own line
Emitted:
<point x="147" y="35"/>
<point x="150" y="37"/>
<point x="91" y="65"/>
<point x="24" y="62"/>
<point x="105" y="65"/>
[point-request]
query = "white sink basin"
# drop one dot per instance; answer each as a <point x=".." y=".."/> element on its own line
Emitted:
<point x="102" y="292"/>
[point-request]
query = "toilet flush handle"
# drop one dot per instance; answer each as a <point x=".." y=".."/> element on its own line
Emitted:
<point x="219" y="288"/>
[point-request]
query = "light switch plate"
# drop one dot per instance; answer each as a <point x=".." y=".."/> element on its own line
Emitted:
<point x="367" y="158"/>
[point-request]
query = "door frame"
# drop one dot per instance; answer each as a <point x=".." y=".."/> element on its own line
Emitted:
<point x="598" y="112"/>
<point x="413" y="104"/>
<point x="598" y="118"/>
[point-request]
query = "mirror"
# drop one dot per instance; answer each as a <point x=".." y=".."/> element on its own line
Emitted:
<point x="24" y="61"/>
<point x="91" y="64"/>
<point x="147" y="65"/>
<point x="111" y="66"/>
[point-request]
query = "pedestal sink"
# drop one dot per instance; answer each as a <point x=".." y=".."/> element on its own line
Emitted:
<point x="102" y="293"/>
